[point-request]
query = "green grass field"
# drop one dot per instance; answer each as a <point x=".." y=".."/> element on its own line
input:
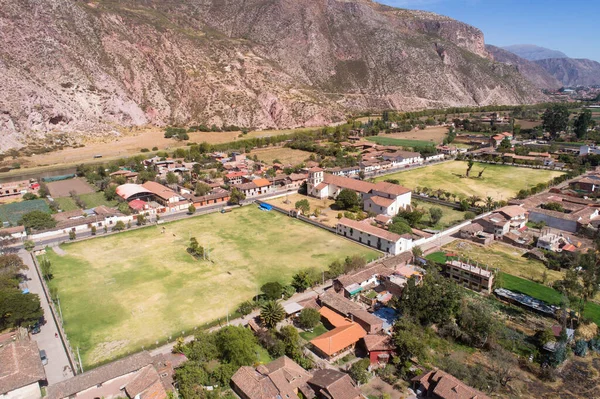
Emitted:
<point x="66" y="204"/>
<point x="310" y="335"/>
<point x="93" y="200"/>
<point x="498" y="181"/>
<point x="416" y="144"/>
<point x="449" y="218"/>
<point x="13" y="212"/>
<point x="121" y="292"/>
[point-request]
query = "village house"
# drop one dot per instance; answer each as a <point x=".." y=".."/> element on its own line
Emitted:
<point x="281" y="378"/>
<point x="13" y="233"/>
<point x="234" y="178"/>
<point x="588" y="184"/>
<point x="354" y="283"/>
<point x="129" y="176"/>
<point x="399" y="158"/>
<point x="438" y="384"/>
<point x="379" y="348"/>
<point x="577" y="214"/>
<point x="333" y="384"/>
<point x="132" y="377"/>
<point x="475" y="232"/>
<point x="373" y="236"/>
<point x="345" y="309"/>
<point x="339" y="340"/>
<point x="549" y="242"/>
<point x="21" y="368"/>
<point x="165" y="196"/>
<point x="255" y="187"/>
<point x="497" y="139"/>
<point x="16" y="189"/>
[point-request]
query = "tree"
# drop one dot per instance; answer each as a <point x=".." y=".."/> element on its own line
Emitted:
<point x="124" y="208"/>
<point x="435" y="214"/>
<point x="191" y="209"/>
<point x="29" y="196"/>
<point x="119" y="226"/>
<point x="195" y="249"/>
<point x="272" y="290"/>
<point x="473" y="200"/>
<point x="18" y="309"/>
<point x="246" y="308"/>
<point x="303" y="205"/>
<point x="505" y="145"/>
<point x="141" y="219"/>
<point x="236" y="196"/>
<point x="435" y="301"/>
<point x="400" y="226"/>
<point x="347" y="199"/>
<point x="302" y="280"/>
<point x="172" y="178"/>
<point x="29" y="245"/>
<point x="555" y="119"/>
<point x="37" y="220"/>
<point x="489" y="203"/>
<point x="236" y="345"/>
<point x="359" y="371"/>
<point x="417" y="251"/>
<point x="110" y="192"/>
<point x="477" y="321"/>
<point x="271" y="313"/>
<point x="470" y="164"/>
<point x="411" y="216"/>
<point x="335" y="269"/>
<point x="202" y="189"/>
<point x="309" y="318"/>
<point x="72" y="235"/>
<point x="408" y="339"/>
<point x="582" y="122"/>
<point x="354" y="262"/>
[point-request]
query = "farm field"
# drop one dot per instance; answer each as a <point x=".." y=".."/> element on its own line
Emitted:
<point x="116" y="301"/>
<point x="449" y="218"/>
<point x="63" y="188"/>
<point x="507" y="258"/>
<point x="283" y="154"/>
<point x="66" y="204"/>
<point x="500" y="182"/>
<point x="93" y="200"/>
<point x="546" y="294"/>
<point x="390" y="141"/>
<point x="434" y="135"/>
<point x="13" y="212"/>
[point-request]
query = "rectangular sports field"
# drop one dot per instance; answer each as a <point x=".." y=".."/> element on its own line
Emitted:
<point x="124" y="291"/>
<point x="500" y="182"/>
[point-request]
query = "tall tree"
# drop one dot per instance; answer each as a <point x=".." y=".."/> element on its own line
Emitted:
<point x="236" y="345"/>
<point x="347" y="199"/>
<point x="582" y="122"/>
<point x="555" y="119"/>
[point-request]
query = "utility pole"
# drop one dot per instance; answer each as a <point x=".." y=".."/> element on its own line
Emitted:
<point x="80" y="363"/>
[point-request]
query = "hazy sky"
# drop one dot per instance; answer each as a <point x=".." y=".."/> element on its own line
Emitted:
<point x="570" y="26"/>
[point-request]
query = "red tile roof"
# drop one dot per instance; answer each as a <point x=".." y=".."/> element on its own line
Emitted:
<point x="339" y="338"/>
<point x="367" y="228"/>
<point x="346" y="182"/>
<point x="335" y="319"/>
<point x="391" y="188"/>
<point x="381" y="201"/>
<point x="261" y="182"/>
<point x="440" y="384"/>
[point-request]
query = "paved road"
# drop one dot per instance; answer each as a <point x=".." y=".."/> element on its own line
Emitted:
<point x="57" y="368"/>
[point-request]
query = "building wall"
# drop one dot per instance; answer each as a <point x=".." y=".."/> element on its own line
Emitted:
<point x="31" y="391"/>
<point x="373" y="356"/>
<point x="554" y="222"/>
<point x="384" y="245"/>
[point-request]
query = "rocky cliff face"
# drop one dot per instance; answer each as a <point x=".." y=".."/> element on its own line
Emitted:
<point x="93" y="67"/>
<point x="572" y="71"/>
<point x="530" y="70"/>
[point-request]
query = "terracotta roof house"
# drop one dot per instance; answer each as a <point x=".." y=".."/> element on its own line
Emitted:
<point x="163" y="195"/>
<point x="374" y="236"/>
<point x="441" y="385"/>
<point x="333" y="384"/>
<point x="130" y="192"/>
<point x="379" y="347"/>
<point x="21" y="370"/>
<point x="338" y="340"/>
<point x="353" y="283"/>
<point x="280" y="379"/>
<point x="132" y="374"/>
<point x="339" y="303"/>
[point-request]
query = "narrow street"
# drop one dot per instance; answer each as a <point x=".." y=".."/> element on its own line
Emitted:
<point x="48" y="339"/>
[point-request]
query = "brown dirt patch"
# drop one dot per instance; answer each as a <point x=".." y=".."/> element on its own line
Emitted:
<point x="435" y="134"/>
<point x="64" y="187"/>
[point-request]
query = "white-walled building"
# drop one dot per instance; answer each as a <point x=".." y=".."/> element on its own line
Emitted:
<point x="375" y="237"/>
<point x="381" y="198"/>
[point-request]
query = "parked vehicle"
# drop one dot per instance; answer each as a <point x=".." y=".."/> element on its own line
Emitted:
<point x="43" y="357"/>
<point x="36" y="328"/>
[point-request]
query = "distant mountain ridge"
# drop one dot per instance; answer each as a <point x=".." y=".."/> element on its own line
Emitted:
<point x="533" y="72"/>
<point x="532" y="52"/>
<point x="573" y="71"/>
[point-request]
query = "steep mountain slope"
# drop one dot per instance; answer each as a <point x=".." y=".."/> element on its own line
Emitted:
<point x="532" y="52"/>
<point x="530" y="70"/>
<point x="92" y="67"/>
<point x="573" y="71"/>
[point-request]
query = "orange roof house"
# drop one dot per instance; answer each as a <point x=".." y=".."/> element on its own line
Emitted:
<point x="339" y="339"/>
<point x="261" y="182"/>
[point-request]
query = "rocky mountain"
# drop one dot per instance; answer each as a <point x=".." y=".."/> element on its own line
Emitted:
<point x="532" y="52"/>
<point x="529" y="69"/>
<point x="93" y="67"/>
<point x="573" y="71"/>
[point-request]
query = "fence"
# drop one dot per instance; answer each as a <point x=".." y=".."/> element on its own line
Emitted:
<point x="57" y="319"/>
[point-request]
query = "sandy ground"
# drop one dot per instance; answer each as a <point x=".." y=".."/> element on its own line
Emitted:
<point x="283" y="154"/>
<point x="435" y="134"/>
<point x="63" y="188"/>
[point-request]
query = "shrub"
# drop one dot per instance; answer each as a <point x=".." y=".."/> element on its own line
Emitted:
<point x="469" y="215"/>
<point x="309" y="318"/>
<point x="144" y="150"/>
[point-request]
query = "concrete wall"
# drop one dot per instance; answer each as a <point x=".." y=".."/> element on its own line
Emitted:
<point x="554" y="222"/>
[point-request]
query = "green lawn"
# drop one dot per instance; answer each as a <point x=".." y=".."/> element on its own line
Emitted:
<point x="310" y="335"/>
<point x="500" y="182"/>
<point x="121" y="292"/>
<point x="437" y="257"/>
<point x="93" y="200"/>
<point x="66" y="204"/>
<point x="13" y="212"/>
<point x="416" y="144"/>
<point x="450" y="216"/>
